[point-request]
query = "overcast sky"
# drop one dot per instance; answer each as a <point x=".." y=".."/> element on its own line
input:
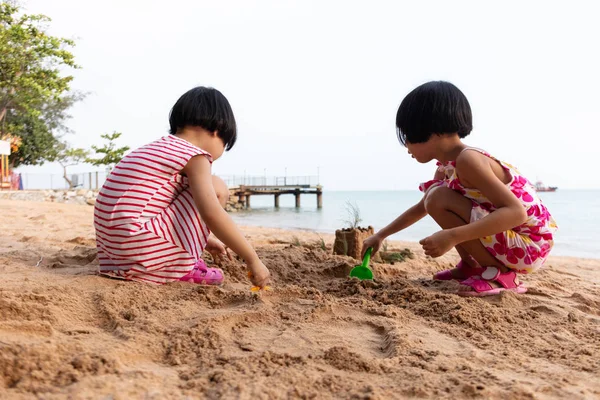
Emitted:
<point x="317" y="83"/>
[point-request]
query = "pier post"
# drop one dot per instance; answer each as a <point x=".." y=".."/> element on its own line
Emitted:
<point x="90" y="180"/>
<point x="247" y="201"/>
<point x="277" y="200"/>
<point x="242" y="195"/>
<point x="297" y="194"/>
<point x="319" y="197"/>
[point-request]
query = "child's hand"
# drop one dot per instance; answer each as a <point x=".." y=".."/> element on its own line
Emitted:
<point x="373" y="241"/>
<point x="439" y="243"/>
<point x="217" y="250"/>
<point x="259" y="274"/>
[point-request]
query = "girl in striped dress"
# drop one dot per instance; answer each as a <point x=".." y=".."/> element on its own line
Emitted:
<point x="156" y="211"/>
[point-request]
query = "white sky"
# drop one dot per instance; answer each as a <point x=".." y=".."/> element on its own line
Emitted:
<point x="317" y="83"/>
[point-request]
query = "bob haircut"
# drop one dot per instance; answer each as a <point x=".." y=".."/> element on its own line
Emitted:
<point x="207" y="108"/>
<point x="434" y="108"/>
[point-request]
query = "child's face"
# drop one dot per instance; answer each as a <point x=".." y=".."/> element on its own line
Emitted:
<point x="214" y="145"/>
<point x="422" y="152"/>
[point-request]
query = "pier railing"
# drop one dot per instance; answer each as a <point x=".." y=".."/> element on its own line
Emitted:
<point x="81" y="180"/>
<point x="258" y="180"/>
<point x="95" y="179"/>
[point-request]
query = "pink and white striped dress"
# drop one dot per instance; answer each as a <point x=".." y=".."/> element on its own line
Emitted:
<point x="147" y="226"/>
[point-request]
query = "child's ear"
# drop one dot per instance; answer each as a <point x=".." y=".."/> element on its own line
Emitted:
<point x="214" y="133"/>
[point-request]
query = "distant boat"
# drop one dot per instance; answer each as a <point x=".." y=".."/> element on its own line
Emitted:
<point x="540" y="187"/>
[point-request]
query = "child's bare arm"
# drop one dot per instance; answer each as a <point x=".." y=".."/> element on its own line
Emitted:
<point x="474" y="170"/>
<point x="410" y="216"/>
<point x="216" y="218"/>
<point x="406" y="219"/>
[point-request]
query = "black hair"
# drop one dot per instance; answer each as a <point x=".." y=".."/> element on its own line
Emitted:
<point x="436" y="107"/>
<point x="207" y="108"/>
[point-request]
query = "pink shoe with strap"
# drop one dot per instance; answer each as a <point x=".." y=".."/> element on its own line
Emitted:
<point x="481" y="285"/>
<point x="462" y="268"/>
<point x="203" y="275"/>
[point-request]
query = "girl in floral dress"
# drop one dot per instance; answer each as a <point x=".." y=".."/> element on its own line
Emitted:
<point x="487" y="210"/>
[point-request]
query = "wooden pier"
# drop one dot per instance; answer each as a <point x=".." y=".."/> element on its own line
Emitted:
<point x="242" y="188"/>
<point x="245" y="192"/>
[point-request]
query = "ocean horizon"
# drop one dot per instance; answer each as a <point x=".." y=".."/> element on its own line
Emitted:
<point x="577" y="213"/>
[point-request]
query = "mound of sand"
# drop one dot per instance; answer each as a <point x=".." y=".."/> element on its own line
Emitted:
<point x="66" y="332"/>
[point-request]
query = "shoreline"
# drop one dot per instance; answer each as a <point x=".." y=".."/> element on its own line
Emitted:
<point x="79" y="198"/>
<point x="261" y="233"/>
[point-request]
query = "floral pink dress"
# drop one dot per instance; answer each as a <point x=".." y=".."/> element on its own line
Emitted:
<point x="523" y="248"/>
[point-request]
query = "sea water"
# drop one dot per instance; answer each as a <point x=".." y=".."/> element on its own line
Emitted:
<point x="577" y="213"/>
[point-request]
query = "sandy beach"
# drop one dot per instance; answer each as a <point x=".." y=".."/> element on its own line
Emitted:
<point x="66" y="332"/>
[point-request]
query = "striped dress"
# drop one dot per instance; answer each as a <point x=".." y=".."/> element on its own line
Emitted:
<point x="147" y="226"/>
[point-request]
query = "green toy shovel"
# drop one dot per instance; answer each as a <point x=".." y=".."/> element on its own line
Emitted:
<point x="362" y="271"/>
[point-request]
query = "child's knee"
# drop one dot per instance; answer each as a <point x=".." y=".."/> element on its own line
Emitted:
<point x="221" y="190"/>
<point x="436" y="199"/>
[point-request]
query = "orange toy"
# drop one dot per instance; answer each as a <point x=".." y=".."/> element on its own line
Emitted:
<point x="257" y="288"/>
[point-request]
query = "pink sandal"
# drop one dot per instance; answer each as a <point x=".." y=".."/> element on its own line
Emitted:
<point x="203" y="275"/>
<point x="465" y="269"/>
<point x="481" y="284"/>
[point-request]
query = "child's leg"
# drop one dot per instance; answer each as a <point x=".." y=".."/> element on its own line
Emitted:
<point x="450" y="209"/>
<point x="221" y="189"/>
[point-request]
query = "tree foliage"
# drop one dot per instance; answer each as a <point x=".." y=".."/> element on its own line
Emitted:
<point x="34" y="91"/>
<point x="67" y="157"/>
<point x="109" y="154"/>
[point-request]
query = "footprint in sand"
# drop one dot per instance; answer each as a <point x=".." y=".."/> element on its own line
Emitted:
<point x="360" y="335"/>
<point x="544" y="309"/>
<point x="586" y="304"/>
<point x="82" y="241"/>
<point x="80" y="256"/>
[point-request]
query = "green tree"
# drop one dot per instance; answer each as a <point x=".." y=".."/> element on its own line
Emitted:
<point x="110" y="153"/>
<point x="40" y="133"/>
<point x="67" y="157"/>
<point x="34" y="92"/>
